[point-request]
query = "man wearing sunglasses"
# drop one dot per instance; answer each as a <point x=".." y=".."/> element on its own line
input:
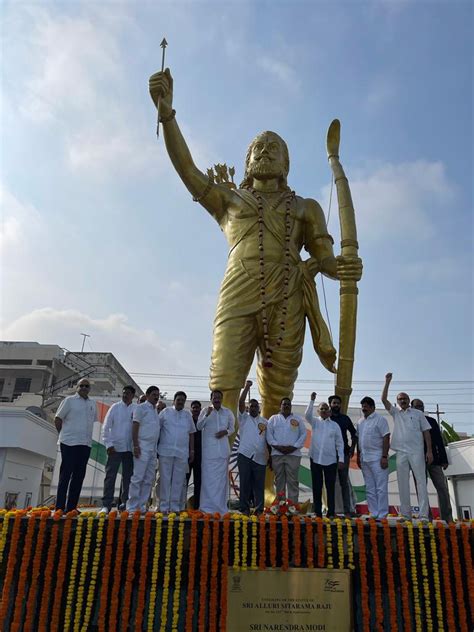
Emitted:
<point x="74" y="421"/>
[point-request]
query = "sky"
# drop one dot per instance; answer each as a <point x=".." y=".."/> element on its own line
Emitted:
<point x="99" y="235"/>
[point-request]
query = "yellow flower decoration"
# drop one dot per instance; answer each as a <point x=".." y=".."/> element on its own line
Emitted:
<point x="236" y="519"/>
<point x="329" y="543"/>
<point x="178" y="567"/>
<point x="414" y="577"/>
<point x="253" y="559"/>
<point x="166" y="578"/>
<point x="73" y="571"/>
<point x="436" y="580"/>
<point x="154" y="570"/>
<point x="350" y="544"/>
<point x="340" y="543"/>
<point x="245" y="521"/>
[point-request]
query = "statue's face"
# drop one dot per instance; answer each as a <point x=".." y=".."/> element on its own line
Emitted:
<point x="266" y="158"/>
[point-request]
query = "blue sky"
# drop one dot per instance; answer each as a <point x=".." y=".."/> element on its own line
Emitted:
<point x="100" y="236"/>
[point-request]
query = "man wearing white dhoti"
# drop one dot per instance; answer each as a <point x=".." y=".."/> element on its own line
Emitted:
<point x="216" y="424"/>
<point x="145" y="435"/>
<point x="175" y="447"/>
<point x="373" y="443"/>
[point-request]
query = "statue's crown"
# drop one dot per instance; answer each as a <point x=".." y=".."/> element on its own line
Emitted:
<point x="220" y="175"/>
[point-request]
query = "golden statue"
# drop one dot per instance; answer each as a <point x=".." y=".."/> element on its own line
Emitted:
<point x="268" y="291"/>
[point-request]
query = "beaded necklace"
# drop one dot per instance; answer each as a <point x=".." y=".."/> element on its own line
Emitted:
<point x="290" y="196"/>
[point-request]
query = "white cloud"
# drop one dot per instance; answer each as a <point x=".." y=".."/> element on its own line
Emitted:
<point x="21" y="222"/>
<point x="397" y="200"/>
<point x="279" y="69"/>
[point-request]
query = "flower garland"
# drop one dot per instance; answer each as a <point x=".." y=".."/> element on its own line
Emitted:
<point x="12" y="559"/>
<point x="297" y="539"/>
<point x="340" y="543"/>
<point x="130" y="574"/>
<point x="154" y="569"/>
<point x="72" y="575"/>
<point x="350" y="544"/>
<point x="43" y="623"/>
<point x="285" y="558"/>
<point x="20" y="590"/>
<point x="93" y="572"/>
<point x="204" y="573"/>
<point x="436" y="580"/>
<point x="166" y="577"/>
<point x="414" y="577"/>
<point x="236" y="518"/>
<point x="448" y="596"/>
<point x="389" y="575"/>
<point x="3" y="536"/>
<point x="462" y="620"/>
<point x="364" y="588"/>
<point x="117" y="576"/>
<point x="262" y="559"/>
<point x="141" y="598"/>
<point x="31" y="603"/>
<point x="310" y="542"/>
<point x="321" y="547"/>
<point x="329" y="542"/>
<point x="424" y="574"/>
<point x="273" y="541"/>
<point x="289" y="199"/>
<point x="214" y="570"/>
<point x="253" y="559"/>
<point x="467" y="557"/>
<point x="89" y="519"/>
<point x="107" y="564"/>
<point x="63" y="561"/>
<point x="191" y="573"/>
<point x="377" y="578"/>
<point x="245" y="521"/>
<point x="178" y="570"/>
<point x="402" y="565"/>
<point x="224" y="567"/>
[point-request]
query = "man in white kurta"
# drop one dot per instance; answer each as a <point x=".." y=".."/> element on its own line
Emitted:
<point x="373" y="444"/>
<point x="217" y="424"/>
<point x="326" y="455"/>
<point x="175" y="447"/>
<point x="286" y="434"/>
<point x="410" y="430"/>
<point x="145" y="435"/>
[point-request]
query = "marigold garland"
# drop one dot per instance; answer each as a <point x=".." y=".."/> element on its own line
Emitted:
<point x="167" y="573"/>
<point x="94" y="572"/>
<point x="204" y="574"/>
<point x="20" y="590"/>
<point x="191" y="572"/>
<point x="214" y="571"/>
<point x="236" y="520"/>
<point x="37" y="558"/>
<point x="376" y="573"/>
<point x="285" y="557"/>
<point x="273" y="541"/>
<point x="63" y="562"/>
<point x="154" y="570"/>
<point x="3" y="535"/>
<point x="389" y="576"/>
<point x="253" y="554"/>
<point x="297" y="539"/>
<point x="447" y="593"/>
<point x="68" y="620"/>
<point x="12" y="560"/>
<point x="468" y="558"/>
<point x="462" y="619"/>
<point x="130" y="574"/>
<point x="321" y="547"/>
<point x="350" y="544"/>
<point x="340" y="543"/>
<point x="310" y="542"/>
<point x="107" y="565"/>
<point x="327" y="522"/>
<point x="245" y="523"/>
<point x="141" y="597"/>
<point x="402" y="565"/>
<point x="178" y="570"/>
<point x="436" y="580"/>
<point x="117" y="575"/>
<point x="364" y="588"/>
<point x="43" y="622"/>
<point x="262" y="558"/>
<point x="224" y="567"/>
<point x="424" y="575"/>
<point x="89" y="518"/>
<point x="414" y="577"/>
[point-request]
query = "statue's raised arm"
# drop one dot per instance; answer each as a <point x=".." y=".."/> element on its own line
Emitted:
<point x="213" y="197"/>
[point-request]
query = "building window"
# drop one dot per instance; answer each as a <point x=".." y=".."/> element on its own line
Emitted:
<point x="2" y="384"/>
<point x="10" y="500"/>
<point x="28" y="496"/>
<point x="22" y="385"/>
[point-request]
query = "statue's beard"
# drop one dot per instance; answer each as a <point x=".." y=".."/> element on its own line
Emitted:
<point x="265" y="169"/>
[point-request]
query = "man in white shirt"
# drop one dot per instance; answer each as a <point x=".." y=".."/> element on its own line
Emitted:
<point x="252" y="454"/>
<point x="145" y="435"/>
<point x="410" y="430"/>
<point x="286" y="434"/>
<point x="326" y="455"/>
<point x="175" y="447"/>
<point x="74" y="421"/>
<point x="117" y="437"/>
<point x="373" y="444"/>
<point x="217" y="424"/>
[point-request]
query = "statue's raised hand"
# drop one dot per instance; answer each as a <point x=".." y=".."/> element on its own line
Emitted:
<point x="161" y="88"/>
